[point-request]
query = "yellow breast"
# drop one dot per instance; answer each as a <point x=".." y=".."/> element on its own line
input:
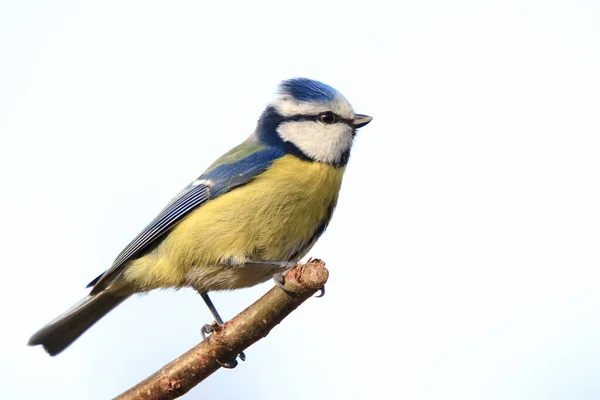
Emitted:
<point x="276" y="217"/>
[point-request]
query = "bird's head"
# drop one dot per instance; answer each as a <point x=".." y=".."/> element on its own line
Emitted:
<point x="311" y="120"/>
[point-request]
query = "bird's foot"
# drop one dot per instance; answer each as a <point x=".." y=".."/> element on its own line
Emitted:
<point x="279" y="280"/>
<point x="205" y="331"/>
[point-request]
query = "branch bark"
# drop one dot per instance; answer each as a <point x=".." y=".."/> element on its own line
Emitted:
<point x="227" y="341"/>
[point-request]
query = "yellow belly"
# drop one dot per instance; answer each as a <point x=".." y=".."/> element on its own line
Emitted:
<point x="276" y="217"/>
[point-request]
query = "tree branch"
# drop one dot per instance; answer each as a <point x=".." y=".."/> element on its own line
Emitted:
<point x="228" y="340"/>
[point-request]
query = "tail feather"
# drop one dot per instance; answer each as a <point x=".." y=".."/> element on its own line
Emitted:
<point x="64" y="330"/>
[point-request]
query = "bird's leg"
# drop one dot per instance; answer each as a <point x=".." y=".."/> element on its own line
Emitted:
<point x="208" y="329"/>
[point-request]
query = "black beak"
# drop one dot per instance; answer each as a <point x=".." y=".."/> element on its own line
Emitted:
<point x="361" y="120"/>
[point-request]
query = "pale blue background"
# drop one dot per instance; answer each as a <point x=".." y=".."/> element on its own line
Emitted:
<point x="464" y="254"/>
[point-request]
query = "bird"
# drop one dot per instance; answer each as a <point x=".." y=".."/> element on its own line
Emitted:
<point x="255" y="212"/>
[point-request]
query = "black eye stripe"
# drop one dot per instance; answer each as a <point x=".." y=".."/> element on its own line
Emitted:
<point x="315" y="118"/>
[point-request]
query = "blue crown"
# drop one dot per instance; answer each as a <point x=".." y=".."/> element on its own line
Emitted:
<point x="303" y="89"/>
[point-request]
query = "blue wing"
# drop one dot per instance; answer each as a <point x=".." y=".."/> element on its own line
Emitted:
<point x="241" y="165"/>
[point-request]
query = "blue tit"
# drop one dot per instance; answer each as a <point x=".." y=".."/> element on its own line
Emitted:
<point x="255" y="211"/>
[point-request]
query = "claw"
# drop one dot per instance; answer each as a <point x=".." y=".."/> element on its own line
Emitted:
<point x="205" y="331"/>
<point x="280" y="281"/>
<point x="229" y="364"/>
<point x="322" y="292"/>
<point x="233" y="363"/>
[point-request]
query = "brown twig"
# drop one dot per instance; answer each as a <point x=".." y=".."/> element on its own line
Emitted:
<point x="228" y="340"/>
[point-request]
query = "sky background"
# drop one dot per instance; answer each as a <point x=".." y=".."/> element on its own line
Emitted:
<point x="464" y="253"/>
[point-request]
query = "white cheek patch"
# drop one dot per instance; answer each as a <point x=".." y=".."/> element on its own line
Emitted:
<point x="288" y="106"/>
<point x="325" y="143"/>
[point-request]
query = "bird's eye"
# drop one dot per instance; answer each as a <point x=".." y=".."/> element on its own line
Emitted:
<point x="328" y="117"/>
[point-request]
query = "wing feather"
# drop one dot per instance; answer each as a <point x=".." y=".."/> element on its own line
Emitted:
<point x="166" y="220"/>
<point x="217" y="180"/>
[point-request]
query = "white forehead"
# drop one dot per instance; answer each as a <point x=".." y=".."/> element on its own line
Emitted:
<point x="288" y="106"/>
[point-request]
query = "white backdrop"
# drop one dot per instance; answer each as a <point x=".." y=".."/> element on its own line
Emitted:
<point x="464" y="251"/>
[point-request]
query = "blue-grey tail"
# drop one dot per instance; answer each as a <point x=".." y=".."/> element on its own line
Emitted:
<point x="64" y="330"/>
<point x="95" y="280"/>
